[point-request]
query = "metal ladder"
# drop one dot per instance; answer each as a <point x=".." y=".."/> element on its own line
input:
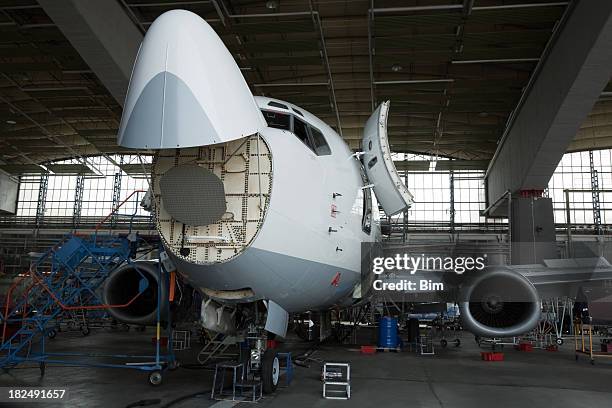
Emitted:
<point x="216" y="349"/>
<point x="65" y="278"/>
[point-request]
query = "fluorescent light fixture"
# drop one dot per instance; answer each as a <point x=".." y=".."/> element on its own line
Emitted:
<point x="527" y="5"/>
<point x="494" y="61"/>
<point x="291" y="84"/>
<point x="414" y="81"/>
<point x="416" y="8"/>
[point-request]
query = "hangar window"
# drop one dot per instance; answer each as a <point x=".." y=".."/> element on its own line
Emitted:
<point x="277" y="105"/>
<point x="277" y="120"/>
<point x="320" y="144"/>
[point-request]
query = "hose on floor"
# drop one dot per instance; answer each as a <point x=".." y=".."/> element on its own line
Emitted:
<point x="149" y="402"/>
<point x="186" y="397"/>
<point x="144" y="403"/>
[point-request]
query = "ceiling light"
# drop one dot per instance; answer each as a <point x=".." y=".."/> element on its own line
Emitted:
<point x="11" y="122"/>
<point x="396" y="68"/>
<point x="272" y="4"/>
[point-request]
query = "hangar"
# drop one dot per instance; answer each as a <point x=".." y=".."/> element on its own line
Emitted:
<point x="201" y="202"/>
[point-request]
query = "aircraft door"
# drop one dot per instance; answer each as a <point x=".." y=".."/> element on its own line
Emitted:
<point x="390" y="191"/>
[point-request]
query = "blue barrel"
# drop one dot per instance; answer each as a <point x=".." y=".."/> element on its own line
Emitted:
<point x="387" y="332"/>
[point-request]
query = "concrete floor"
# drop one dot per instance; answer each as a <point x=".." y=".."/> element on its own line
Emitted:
<point x="454" y="377"/>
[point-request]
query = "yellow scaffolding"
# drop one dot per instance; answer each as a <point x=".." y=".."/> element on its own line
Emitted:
<point x="583" y="341"/>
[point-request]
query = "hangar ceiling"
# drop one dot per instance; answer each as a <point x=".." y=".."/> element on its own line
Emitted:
<point x="454" y="70"/>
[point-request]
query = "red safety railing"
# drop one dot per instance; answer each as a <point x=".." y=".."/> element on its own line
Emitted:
<point x="99" y="225"/>
<point x="81" y="307"/>
<point x="39" y="281"/>
<point x="8" y="302"/>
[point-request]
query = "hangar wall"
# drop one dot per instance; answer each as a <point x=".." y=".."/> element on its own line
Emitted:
<point x="8" y="194"/>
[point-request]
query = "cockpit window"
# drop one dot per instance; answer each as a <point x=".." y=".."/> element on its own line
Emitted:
<point x="278" y="105"/>
<point x="301" y="131"/>
<point x="309" y="135"/>
<point x="320" y="144"/>
<point x="277" y="120"/>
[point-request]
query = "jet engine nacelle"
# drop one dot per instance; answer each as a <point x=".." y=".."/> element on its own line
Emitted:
<point x="133" y="289"/>
<point x="499" y="302"/>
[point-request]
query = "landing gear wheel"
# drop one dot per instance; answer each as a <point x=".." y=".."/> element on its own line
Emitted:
<point x="42" y="366"/>
<point x="51" y="333"/>
<point x="155" y="378"/>
<point x="559" y="341"/>
<point x="443" y="343"/>
<point x="85" y="331"/>
<point x="270" y="371"/>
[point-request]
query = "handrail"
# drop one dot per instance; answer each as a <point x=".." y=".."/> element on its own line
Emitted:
<point x="40" y="281"/>
<point x="91" y="307"/>
<point x="7" y="302"/>
<point x="18" y="281"/>
<point x="99" y="225"/>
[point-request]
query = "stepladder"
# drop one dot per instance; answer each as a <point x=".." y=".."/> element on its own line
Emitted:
<point x="337" y="381"/>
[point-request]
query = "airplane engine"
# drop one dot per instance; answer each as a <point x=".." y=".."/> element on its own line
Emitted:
<point x="499" y="302"/>
<point x="133" y="288"/>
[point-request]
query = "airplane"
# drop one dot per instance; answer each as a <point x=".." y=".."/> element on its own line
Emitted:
<point x="260" y="205"/>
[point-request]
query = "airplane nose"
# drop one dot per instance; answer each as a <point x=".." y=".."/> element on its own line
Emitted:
<point x="186" y="89"/>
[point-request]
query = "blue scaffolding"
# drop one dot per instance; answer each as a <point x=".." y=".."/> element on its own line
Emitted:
<point x="67" y="278"/>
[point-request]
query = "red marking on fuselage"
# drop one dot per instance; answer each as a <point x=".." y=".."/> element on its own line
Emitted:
<point x="336" y="280"/>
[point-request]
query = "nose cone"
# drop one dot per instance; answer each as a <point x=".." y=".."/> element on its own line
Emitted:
<point x="186" y="89"/>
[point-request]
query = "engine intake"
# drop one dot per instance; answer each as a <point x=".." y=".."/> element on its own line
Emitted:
<point x="499" y="302"/>
<point x="125" y="283"/>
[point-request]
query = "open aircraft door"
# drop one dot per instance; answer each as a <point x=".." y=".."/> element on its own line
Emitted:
<point x="390" y="191"/>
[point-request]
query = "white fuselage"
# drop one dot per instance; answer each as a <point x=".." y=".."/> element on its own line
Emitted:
<point x="307" y="252"/>
<point x="267" y="217"/>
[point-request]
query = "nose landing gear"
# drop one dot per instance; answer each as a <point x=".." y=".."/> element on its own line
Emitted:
<point x="270" y="371"/>
<point x="263" y="362"/>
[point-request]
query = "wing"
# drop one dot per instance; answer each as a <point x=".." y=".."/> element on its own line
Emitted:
<point x="564" y="277"/>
